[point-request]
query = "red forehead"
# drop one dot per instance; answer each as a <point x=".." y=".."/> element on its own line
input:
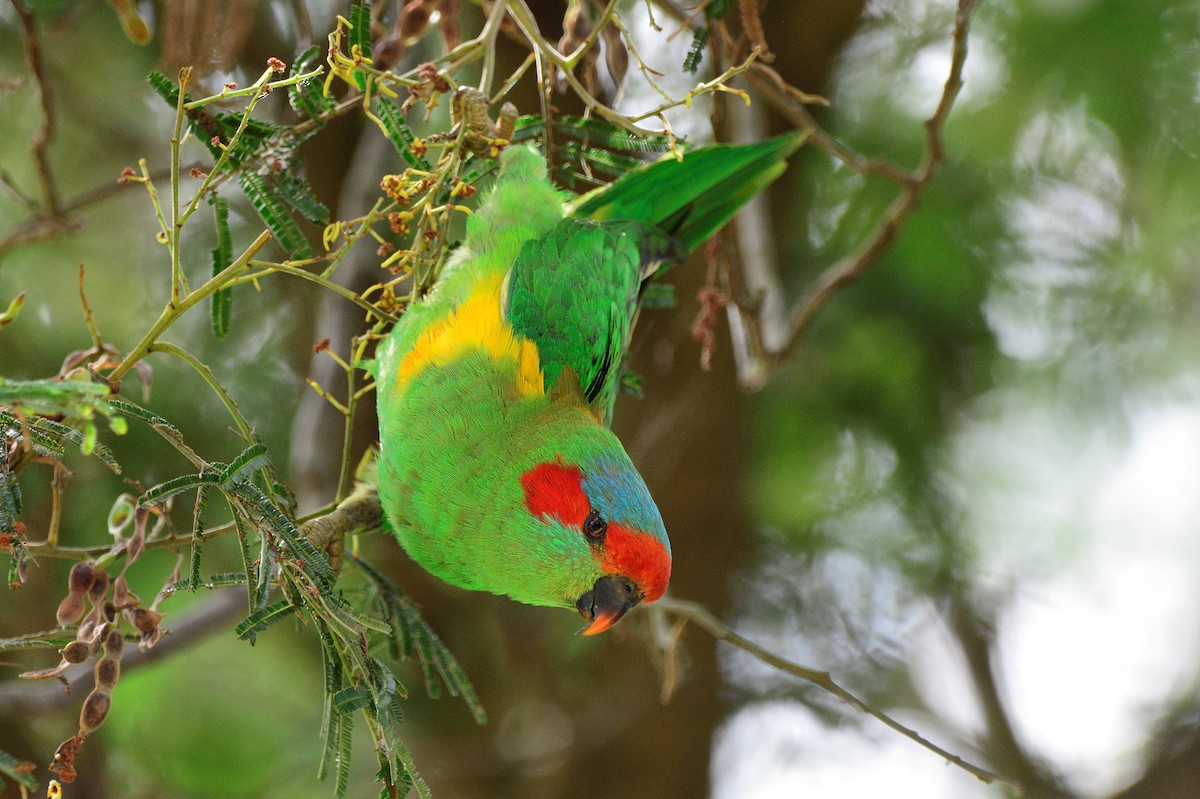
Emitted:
<point x="556" y="490"/>
<point x="639" y="556"/>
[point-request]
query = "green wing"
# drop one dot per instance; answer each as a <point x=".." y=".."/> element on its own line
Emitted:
<point x="574" y="292"/>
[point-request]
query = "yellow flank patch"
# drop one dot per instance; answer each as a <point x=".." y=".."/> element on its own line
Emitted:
<point x="476" y="323"/>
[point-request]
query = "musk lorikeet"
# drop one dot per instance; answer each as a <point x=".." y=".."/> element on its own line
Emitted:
<point x="497" y="468"/>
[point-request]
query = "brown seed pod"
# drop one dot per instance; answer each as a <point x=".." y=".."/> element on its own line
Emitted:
<point x="70" y="610"/>
<point x="94" y="711"/>
<point x="110" y="612"/>
<point x="616" y="56"/>
<point x="145" y="620"/>
<point x="448" y="24"/>
<point x="506" y="122"/>
<point x="99" y="587"/>
<point x="108" y="671"/>
<point x="387" y="51"/>
<point x="85" y="631"/>
<point x="114" y="644"/>
<point x="83" y="574"/>
<point x="414" y="18"/>
<point x="75" y="652"/>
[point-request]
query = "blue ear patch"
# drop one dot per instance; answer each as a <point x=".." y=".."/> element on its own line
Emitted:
<point x="619" y="493"/>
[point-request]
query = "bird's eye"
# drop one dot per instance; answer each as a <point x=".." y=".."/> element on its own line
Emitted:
<point x="594" y="526"/>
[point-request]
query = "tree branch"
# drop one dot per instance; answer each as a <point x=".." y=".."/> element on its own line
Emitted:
<point x="19" y="698"/>
<point x="851" y="268"/>
<point x="45" y="130"/>
<point x="711" y="624"/>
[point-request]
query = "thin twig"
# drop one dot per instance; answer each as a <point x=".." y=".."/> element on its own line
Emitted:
<point x="822" y="679"/>
<point x="45" y="131"/>
<point x="851" y="268"/>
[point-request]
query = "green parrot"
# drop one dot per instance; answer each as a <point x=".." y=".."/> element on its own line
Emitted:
<point x="497" y="468"/>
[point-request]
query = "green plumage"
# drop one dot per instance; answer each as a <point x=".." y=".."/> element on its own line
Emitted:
<point x="485" y="478"/>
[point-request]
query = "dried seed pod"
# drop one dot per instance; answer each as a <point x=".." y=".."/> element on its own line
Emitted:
<point x="108" y="671"/>
<point x="387" y="51"/>
<point x="576" y="27"/>
<point x="448" y="24"/>
<point x="110" y="612"/>
<point x="414" y="18"/>
<point x="75" y="652"/>
<point x="70" y="610"/>
<point x="114" y="644"/>
<point x="83" y="574"/>
<point x="85" y="631"/>
<point x="506" y="122"/>
<point x="145" y="620"/>
<point x="121" y="593"/>
<point x="94" y="711"/>
<point x="99" y="588"/>
<point x="616" y="56"/>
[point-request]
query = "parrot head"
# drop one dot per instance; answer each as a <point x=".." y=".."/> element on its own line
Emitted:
<point x="594" y="532"/>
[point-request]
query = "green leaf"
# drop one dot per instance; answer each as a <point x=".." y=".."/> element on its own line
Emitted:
<point x="274" y="214"/>
<point x="252" y="458"/>
<point x="17" y="770"/>
<point x="695" y="54"/>
<point x="631" y="383"/>
<point x="222" y="257"/>
<point x="40" y="424"/>
<point x="399" y="132"/>
<point x="177" y="485"/>
<point x="296" y="192"/>
<point x="198" y="539"/>
<point x="225" y="578"/>
<point x="255" y="137"/>
<point x="351" y="698"/>
<point x="308" y="98"/>
<point x="10" y="499"/>
<point x="156" y="422"/>
<point x="415" y="637"/>
<point x="593" y="131"/>
<point x="283" y="527"/>
<point x="263" y="618"/>
<point x="360" y="37"/>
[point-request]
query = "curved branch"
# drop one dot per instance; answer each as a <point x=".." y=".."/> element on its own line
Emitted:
<point x="851" y="268"/>
<point x="714" y="626"/>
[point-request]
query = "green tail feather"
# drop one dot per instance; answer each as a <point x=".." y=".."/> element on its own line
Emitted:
<point x="691" y="199"/>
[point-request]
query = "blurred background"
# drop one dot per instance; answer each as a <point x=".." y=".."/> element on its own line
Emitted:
<point x="970" y="492"/>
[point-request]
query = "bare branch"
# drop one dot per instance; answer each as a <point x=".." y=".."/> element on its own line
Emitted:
<point x="45" y="131"/>
<point x="711" y="624"/>
<point x="851" y="268"/>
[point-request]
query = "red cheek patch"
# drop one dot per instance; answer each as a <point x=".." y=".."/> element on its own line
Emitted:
<point x="555" y="489"/>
